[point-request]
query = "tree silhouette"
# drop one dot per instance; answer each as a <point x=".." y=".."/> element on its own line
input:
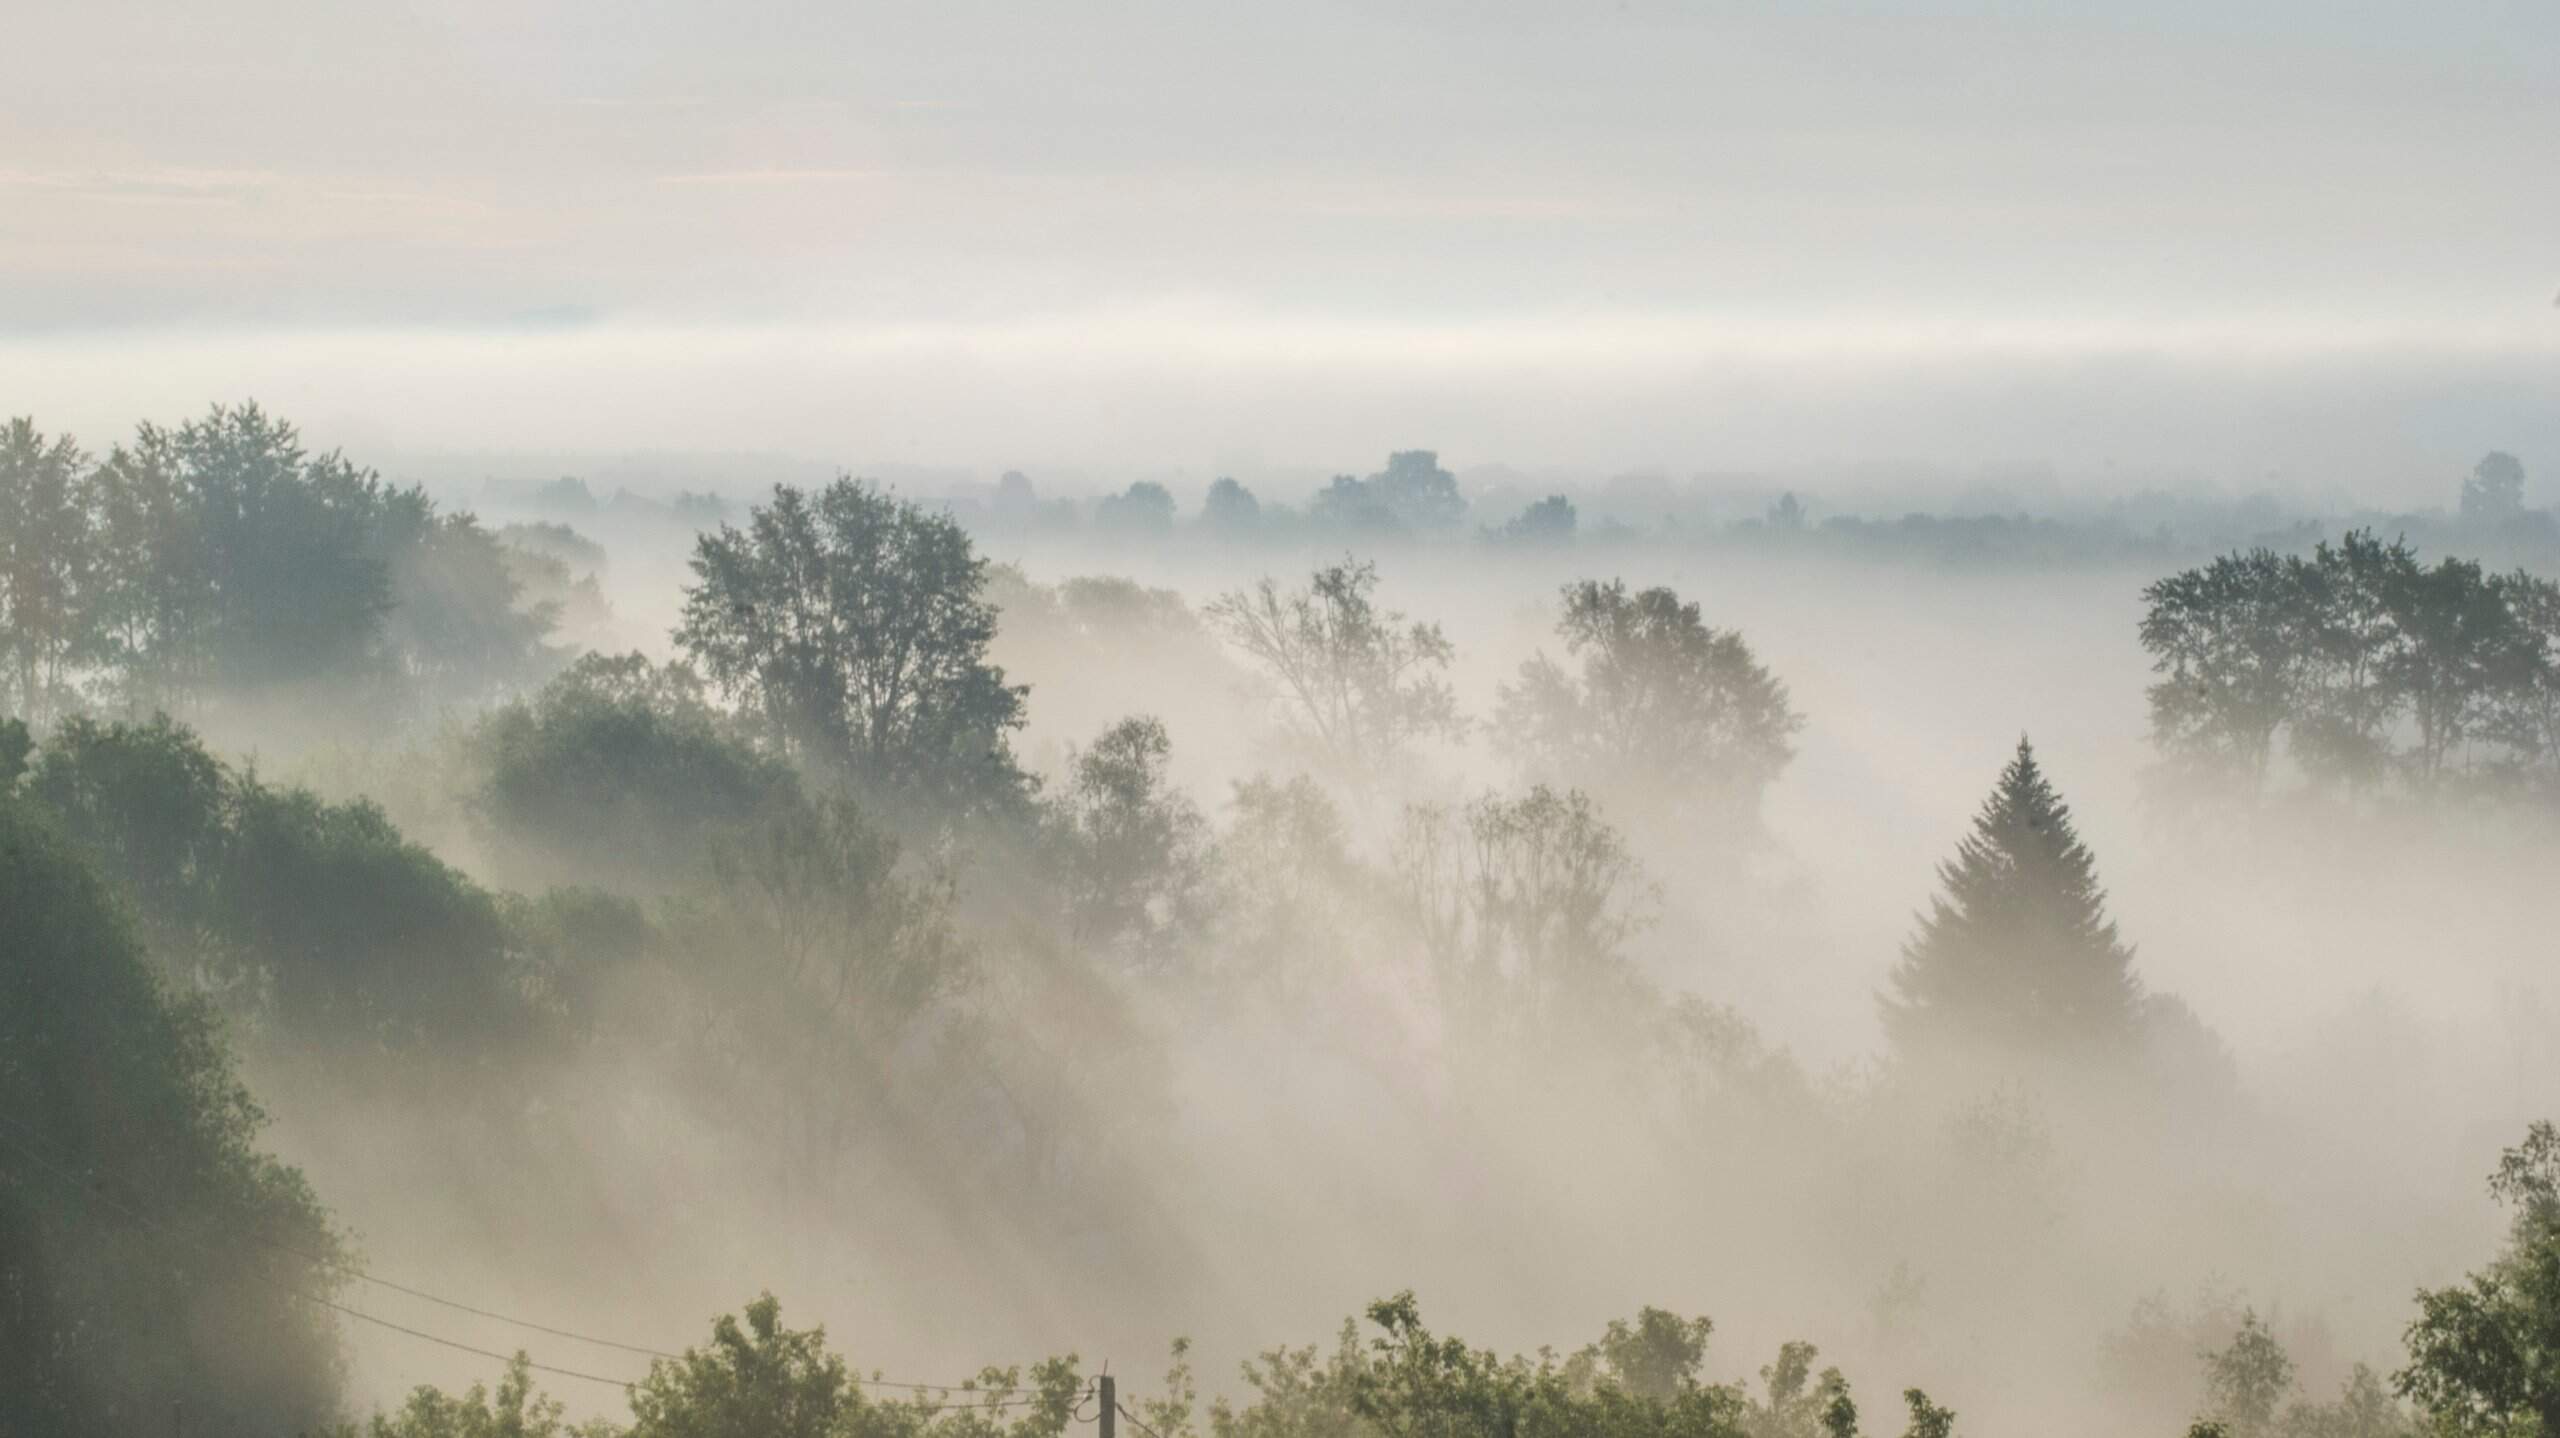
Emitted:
<point x="855" y="625"/>
<point x="1361" y="682"/>
<point x="2017" y="955"/>
<point x="1230" y="508"/>
<point x="2494" y="491"/>
<point x="1667" y="719"/>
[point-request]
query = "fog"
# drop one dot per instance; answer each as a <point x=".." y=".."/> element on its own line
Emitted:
<point x="2382" y="989"/>
<point x="1870" y="410"/>
<point x="1087" y="688"/>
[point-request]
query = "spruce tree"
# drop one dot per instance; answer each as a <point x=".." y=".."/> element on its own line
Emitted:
<point x="2017" y="955"/>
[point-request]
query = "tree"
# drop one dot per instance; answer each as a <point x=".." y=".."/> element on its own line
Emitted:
<point x="48" y="557"/>
<point x="1928" y="1420"/>
<point x="2248" y="1380"/>
<point x="288" y="544"/>
<point x="356" y="940"/>
<point x="1144" y="509"/>
<point x="1654" y="1357"/>
<point x="761" y="1379"/>
<point x="567" y="493"/>
<point x="1525" y="906"/>
<point x="620" y="772"/>
<point x="1290" y="893"/>
<point x="1415" y="489"/>
<point x="16" y="743"/>
<point x="2494" y="491"/>
<point x="1137" y="848"/>
<point x="2350" y="704"/>
<point x="516" y="1410"/>
<point x="1230" y="509"/>
<point x="322" y="918"/>
<point x="1549" y="521"/>
<point x="1413" y="494"/>
<point x="2017" y="954"/>
<point x="460" y="624"/>
<point x="1361" y="683"/>
<point x="1667" y="717"/>
<point x="1016" y="497"/>
<point x="816" y="962"/>
<point x="149" y="1253"/>
<point x="2527" y="718"/>
<point x="855" y="627"/>
<point x="157" y="601"/>
<point x="2364" y="1408"/>
<point x="2366" y="662"/>
<point x="2484" y="1356"/>
<point x="222" y="556"/>
<point x="2233" y="642"/>
<point x="147" y="804"/>
<point x="2460" y="650"/>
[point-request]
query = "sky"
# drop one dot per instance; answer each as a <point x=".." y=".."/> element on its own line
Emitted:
<point x="2290" y="239"/>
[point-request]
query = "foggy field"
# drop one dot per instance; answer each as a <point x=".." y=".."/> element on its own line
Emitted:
<point x="1145" y="1043"/>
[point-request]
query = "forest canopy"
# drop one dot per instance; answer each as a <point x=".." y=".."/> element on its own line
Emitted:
<point x="1213" y="933"/>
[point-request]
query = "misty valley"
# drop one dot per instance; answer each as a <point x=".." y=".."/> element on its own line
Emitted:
<point x="1415" y="957"/>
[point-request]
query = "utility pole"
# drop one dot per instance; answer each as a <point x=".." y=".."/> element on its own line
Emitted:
<point x="1110" y="1406"/>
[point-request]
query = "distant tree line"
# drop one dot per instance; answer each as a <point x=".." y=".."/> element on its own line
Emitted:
<point x="1415" y="499"/>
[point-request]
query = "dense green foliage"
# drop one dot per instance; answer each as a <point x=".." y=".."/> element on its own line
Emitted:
<point x="2360" y="664"/>
<point x="222" y="559"/>
<point x="317" y="916"/>
<point x="757" y="1378"/>
<point x="150" y="1256"/>
<point x="854" y="627"/>
<point x="621" y="771"/>
<point x="2484" y="1356"/>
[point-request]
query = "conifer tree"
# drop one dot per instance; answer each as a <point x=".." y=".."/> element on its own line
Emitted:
<point x="2017" y="955"/>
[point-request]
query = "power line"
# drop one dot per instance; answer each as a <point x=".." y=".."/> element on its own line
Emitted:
<point x="286" y="1288"/>
<point x="339" y="1265"/>
<point x="350" y="1270"/>
<point x="1134" y="1419"/>
<point x="625" y="1384"/>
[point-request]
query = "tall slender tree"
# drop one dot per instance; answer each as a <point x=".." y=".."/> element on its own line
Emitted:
<point x="46" y="553"/>
<point x="2017" y="955"/>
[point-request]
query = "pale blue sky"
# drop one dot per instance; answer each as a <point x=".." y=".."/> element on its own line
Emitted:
<point x="1383" y="186"/>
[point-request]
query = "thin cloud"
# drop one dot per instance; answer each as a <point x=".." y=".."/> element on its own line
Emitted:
<point x="774" y="177"/>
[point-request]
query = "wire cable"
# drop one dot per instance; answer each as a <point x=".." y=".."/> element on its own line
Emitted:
<point x="288" y="1289"/>
<point x="1134" y="1419"/>
<point x="340" y="1266"/>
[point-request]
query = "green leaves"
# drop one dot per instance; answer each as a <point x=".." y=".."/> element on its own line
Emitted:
<point x="150" y="1254"/>
<point x="855" y="626"/>
<point x="2365" y="663"/>
<point x="2484" y="1356"/>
